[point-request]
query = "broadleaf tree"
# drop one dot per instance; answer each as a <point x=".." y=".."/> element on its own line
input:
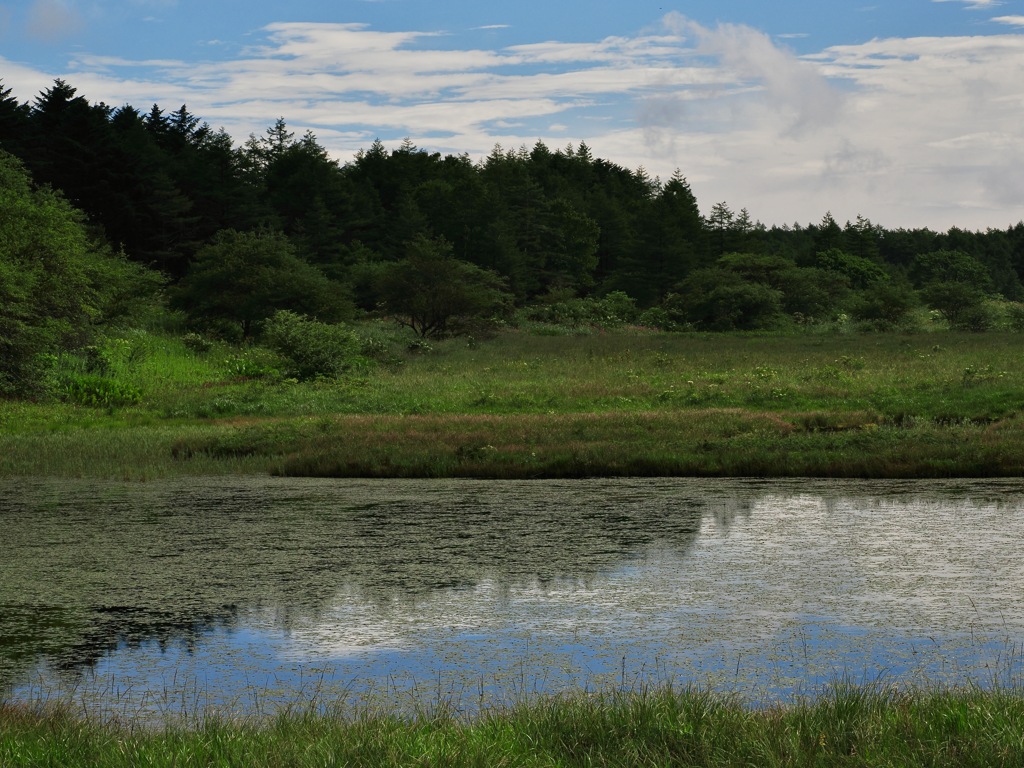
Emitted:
<point x="430" y="290"/>
<point x="242" y="278"/>
<point x="56" y="282"/>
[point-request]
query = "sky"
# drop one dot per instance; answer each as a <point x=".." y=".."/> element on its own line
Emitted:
<point x="907" y="112"/>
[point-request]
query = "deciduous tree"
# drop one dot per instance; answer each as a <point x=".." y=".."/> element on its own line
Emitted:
<point x="56" y="282"/>
<point x="430" y="290"/>
<point x="242" y="278"/>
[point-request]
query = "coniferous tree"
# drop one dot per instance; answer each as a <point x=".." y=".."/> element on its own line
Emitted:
<point x="14" y="123"/>
<point x="673" y="243"/>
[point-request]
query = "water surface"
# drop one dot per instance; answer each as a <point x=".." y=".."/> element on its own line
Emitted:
<point x="244" y="595"/>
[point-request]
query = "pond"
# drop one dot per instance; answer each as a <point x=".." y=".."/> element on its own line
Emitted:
<point x="245" y="595"/>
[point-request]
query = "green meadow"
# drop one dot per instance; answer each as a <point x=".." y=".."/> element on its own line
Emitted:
<point x="536" y="402"/>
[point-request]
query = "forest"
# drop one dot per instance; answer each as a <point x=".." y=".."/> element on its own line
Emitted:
<point x="109" y="213"/>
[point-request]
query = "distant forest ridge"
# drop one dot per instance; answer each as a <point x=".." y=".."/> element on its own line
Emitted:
<point x="552" y="224"/>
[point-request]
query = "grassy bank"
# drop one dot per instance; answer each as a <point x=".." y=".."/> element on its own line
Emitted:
<point x="846" y="726"/>
<point x="525" y="405"/>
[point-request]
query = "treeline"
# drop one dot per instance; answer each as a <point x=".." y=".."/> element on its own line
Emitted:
<point x="275" y="223"/>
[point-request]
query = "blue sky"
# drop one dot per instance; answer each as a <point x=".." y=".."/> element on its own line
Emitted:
<point x="909" y="112"/>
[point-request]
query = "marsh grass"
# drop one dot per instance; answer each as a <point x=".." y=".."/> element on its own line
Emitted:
<point x="845" y="725"/>
<point x="136" y="453"/>
<point x="726" y="442"/>
<point x="523" y="405"/>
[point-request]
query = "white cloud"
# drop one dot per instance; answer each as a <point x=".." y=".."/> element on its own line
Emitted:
<point x="1014" y="21"/>
<point x="750" y="57"/>
<point x="974" y="5"/>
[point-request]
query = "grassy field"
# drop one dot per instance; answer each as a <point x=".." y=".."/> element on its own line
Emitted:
<point x="524" y="405"/>
<point x="845" y="726"/>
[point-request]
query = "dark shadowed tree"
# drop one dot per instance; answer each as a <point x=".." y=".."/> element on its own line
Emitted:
<point x="945" y="266"/>
<point x="430" y="291"/>
<point x="242" y="278"/>
<point x="828" y="234"/>
<point x="13" y="122"/>
<point x="672" y="243"/>
<point x="860" y="272"/>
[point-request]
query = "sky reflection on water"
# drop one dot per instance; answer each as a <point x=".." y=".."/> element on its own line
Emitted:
<point x="247" y="595"/>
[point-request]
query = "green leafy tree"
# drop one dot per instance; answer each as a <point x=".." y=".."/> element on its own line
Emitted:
<point x="884" y="305"/>
<point x="718" y="299"/>
<point x="950" y="266"/>
<point x="242" y="278"/>
<point x="56" y="283"/>
<point x="962" y="305"/>
<point x="430" y="291"/>
<point x="860" y="271"/>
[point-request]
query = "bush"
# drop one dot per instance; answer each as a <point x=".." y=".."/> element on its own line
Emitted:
<point x="254" y="363"/>
<point x="884" y="305"/>
<point x="1015" y="316"/>
<point x="312" y="349"/>
<point x="658" y="317"/>
<point x="242" y="277"/>
<point x="194" y="342"/>
<point x="56" y="282"/>
<point x="610" y="311"/>
<point x="717" y="299"/>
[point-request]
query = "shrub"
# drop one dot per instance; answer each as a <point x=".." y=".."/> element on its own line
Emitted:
<point x="242" y="277"/>
<point x="56" y="282"/>
<point x="717" y="299"/>
<point x="1015" y="316"/>
<point x="658" y="317"/>
<point x="884" y="305"/>
<point x="312" y="349"/>
<point x="196" y="343"/>
<point x="610" y="311"/>
<point x="435" y="294"/>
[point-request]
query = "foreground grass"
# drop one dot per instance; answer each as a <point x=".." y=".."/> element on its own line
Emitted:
<point x="521" y="406"/>
<point x="845" y="726"/>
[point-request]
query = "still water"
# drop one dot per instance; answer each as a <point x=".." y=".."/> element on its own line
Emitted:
<point x="245" y="595"/>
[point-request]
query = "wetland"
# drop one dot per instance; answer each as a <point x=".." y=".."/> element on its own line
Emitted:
<point x="249" y="595"/>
